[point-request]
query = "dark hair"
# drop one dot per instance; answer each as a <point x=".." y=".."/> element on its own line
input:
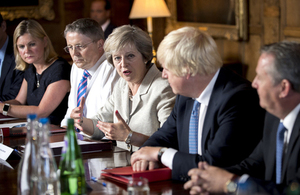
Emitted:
<point x="286" y="62"/>
<point x="107" y="4"/>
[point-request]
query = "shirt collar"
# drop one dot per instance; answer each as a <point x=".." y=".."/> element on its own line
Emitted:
<point x="104" y="26"/>
<point x="205" y="95"/>
<point x="290" y="119"/>
<point x="93" y="69"/>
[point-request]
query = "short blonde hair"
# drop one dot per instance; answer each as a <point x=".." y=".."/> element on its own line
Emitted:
<point x="189" y="50"/>
<point x="129" y="35"/>
<point x="33" y="28"/>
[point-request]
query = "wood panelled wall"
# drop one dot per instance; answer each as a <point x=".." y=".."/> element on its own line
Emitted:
<point x="269" y="21"/>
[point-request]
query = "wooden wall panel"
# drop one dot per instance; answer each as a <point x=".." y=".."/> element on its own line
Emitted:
<point x="271" y="21"/>
<point x="252" y="51"/>
<point x="292" y="13"/>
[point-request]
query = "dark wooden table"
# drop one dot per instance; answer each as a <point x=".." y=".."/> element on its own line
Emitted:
<point x="94" y="162"/>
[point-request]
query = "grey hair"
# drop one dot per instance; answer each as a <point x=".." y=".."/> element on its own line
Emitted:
<point x="286" y="62"/>
<point x="87" y="27"/>
<point x="129" y="35"/>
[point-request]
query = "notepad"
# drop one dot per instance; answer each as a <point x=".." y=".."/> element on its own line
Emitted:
<point x="124" y="174"/>
<point x="85" y="146"/>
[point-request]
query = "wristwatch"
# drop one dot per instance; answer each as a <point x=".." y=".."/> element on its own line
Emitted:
<point x="232" y="185"/>
<point x="5" y="109"/>
<point x="128" y="139"/>
<point x="160" y="153"/>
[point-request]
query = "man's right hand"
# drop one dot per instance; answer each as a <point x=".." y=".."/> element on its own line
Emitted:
<point x="77" y="115"/>
<point x="142" y="165"/>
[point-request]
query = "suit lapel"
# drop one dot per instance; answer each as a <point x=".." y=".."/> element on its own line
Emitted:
<point x="125" y="105"/>
<point x="293" y="139"/>
<point x="271" y="150"/>
<point x="215" y="95"/>
<point x="8" y="58"/>
<point x="144" y="87"/>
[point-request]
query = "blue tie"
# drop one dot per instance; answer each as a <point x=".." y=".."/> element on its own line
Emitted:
<point x="279" y="151"/>
<point x="193" y="131"/>
<point x="82" y="87"/>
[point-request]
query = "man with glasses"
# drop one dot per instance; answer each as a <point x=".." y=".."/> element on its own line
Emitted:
<point x="92" y="77"/>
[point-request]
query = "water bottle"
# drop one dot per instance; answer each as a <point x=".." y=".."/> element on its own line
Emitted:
<point x="72" y="177"/>
<point x="28" y="161"/>
<point x="48" y="180"/>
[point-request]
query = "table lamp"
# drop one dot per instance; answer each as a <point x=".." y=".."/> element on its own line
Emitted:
<point x="149" y="9"/>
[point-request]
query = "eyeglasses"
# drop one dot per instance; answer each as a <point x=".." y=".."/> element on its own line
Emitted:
<point x="78" y="47"/>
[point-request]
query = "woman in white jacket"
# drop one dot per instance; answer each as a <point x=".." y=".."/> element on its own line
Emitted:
<point x="141" y="101"/>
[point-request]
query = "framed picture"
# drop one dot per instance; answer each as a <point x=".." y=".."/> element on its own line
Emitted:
<point x="36" y="9"/>
<point x="220" y="18"/>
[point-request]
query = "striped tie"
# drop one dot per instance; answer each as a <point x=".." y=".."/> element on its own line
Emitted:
<point x="193" y="131"/>
<point x="82" y="87"/>
<point x="279" y="151"/>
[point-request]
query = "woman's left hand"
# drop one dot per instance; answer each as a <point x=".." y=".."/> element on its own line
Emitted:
<point x="115" y="131"/>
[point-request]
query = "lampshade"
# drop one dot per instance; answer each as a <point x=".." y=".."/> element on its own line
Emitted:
<point x="149" y="8"/>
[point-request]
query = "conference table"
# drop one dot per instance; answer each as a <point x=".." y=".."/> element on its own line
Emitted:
<point x="94" y="163"/>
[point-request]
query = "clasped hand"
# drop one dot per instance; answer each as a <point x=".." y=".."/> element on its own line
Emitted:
<point x="207" y="179"/>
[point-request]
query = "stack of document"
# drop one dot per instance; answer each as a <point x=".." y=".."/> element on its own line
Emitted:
<point x="124" y="174"/>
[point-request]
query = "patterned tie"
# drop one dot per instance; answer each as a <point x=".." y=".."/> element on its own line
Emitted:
<point x="82" y="87"/>
<point x="193" y="131"/>
<point x="279" y="150"/>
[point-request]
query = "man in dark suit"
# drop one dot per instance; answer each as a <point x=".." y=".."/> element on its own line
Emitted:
<point x="10" y="79"/>
<point x="100" y="11"/>
<point x="274" y="165"/>
<point x="230" y="121"/>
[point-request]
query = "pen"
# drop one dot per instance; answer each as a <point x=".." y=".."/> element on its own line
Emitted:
<point x="96" y="180"/>
<point x="21" y="125"/>
<point x="18" y="152"/>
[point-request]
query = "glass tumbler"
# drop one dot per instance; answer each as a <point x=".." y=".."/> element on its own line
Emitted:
<point x="138" y="186"/>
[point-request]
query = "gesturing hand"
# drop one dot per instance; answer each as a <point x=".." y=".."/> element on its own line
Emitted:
<point x="115" y="131"/>
<point x="77" y="115"/>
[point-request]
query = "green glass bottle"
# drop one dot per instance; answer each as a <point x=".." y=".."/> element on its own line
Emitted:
<point x="71" y="169"/>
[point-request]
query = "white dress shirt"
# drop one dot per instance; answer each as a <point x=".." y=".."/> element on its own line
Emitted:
<point x="100" y="84"/>
<point x="104" y="26"/>
<point x="288" y="123"/>
<point x="168" y="155"/>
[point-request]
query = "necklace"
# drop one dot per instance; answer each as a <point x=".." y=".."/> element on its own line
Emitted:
<point x="37" y="80"/>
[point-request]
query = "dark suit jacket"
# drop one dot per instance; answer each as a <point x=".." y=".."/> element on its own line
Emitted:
<point x="261" y="164"/>
<point x="109" y="30"/>
<point x="11" y="79"/>
<point x="232" y="127"/>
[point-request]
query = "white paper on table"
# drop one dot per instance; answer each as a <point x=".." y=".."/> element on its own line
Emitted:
<point x="5" y="151"/>
<point x="10" y="125"/>
<point x="62" y="143"/>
